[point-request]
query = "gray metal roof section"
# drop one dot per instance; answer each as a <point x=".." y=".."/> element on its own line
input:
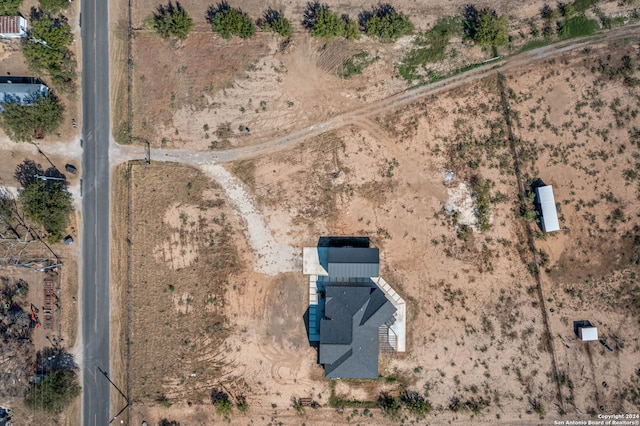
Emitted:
<point x="349" y="331"/>
<point x="353" y="262"/>
<point x="22" y="90"/>
<point x="549" y="219"/>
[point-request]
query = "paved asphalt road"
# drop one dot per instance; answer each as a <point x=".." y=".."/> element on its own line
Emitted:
<point x="95" y="207"/>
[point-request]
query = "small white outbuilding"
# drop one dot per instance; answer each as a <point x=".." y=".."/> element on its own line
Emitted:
<point x="588" y="334"/>
<point x="549" y="219"/>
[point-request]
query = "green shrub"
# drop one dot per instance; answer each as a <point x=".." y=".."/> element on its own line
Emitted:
<point x="47" y="49"/>
<point x="326" y="24"/>
<point x="356" y="64"/>
<point x="274" y="21"/>
<point x="485" y="27"/>
<point x="429" y="47"/>
<point x="23" y="123"/>
<point x="53" y="6"/>
<point x="220" y="400"/>
<point x="228" y="21"/>
<point x="49" y="204"/>
<point x="389" y="404"/>
<point x="482" y="191"/>
<point x="10" y="7"/>
<point x="385" y="23"/>
<point x="242" y="404"/>
<point x="416" y="404"/>
<point x="577" y="26"/>
<point x="172" y="21"/>
<point x="351" y="29"/>
<point x="55" y="392"/>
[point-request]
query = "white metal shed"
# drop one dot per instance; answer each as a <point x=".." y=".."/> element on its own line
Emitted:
<point x="549" y="219"/>
<point x="588" y="333"/>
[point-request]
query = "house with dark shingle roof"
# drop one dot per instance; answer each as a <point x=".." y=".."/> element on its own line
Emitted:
<point x="353" y="313"/>
<point x="349" y="330"/>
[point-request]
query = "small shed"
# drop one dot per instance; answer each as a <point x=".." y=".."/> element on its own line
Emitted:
<point x="548" y="212"/>
<point x="13" y="26"/>
<point x="588" y="334"/>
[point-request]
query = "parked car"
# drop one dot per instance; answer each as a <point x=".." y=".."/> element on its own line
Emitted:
<point x="70" y="168"/>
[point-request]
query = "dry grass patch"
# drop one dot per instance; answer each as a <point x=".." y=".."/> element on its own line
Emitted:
<point x="183" y="256"/>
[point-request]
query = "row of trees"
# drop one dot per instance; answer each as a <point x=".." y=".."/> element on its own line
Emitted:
<point x="382" y="22"/>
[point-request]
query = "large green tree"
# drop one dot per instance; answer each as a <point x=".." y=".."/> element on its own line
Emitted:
<point x="10" y="7"/>
<point x="47" y="49"/>
<point x="23" y="123"/>
<point x="491" y="30"/>
<point x="328" y="24"/>
<point x="172" y="21"/>
<point x="485" y="27"/>
<point x="53" y="6"/>
<point x="49" y="204"/>
<point x="386" y="23"/>
<point x="228" y="21"/>
<point x="55" y="392"/>
<point x="276" y="22"/>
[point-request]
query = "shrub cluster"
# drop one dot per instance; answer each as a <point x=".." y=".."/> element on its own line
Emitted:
<point x="228" y="21"/>
<point x="172" y="21"/>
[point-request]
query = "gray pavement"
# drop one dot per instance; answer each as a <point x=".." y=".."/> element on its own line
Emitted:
<point x="95" y="207"/>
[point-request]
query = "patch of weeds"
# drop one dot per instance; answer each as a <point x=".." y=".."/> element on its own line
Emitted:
<point x="429" y="47"/>
<point x="464" y="232"/>
<point x="482" y="190"/>
<point x="577" y="26"/>
<point x="535" y="44"/>
<point x="390" y="405"/>
<point x="390" y="165"/>
<point x="357" y="63"/>
<point x="416" y="404"/>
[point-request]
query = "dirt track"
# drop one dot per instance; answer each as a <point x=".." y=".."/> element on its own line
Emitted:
<point x="120" y="153"/>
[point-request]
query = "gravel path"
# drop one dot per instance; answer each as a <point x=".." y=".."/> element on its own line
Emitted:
<point x="270" y="257"/>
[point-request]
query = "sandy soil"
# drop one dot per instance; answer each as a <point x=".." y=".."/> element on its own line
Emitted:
<point x="264" y="86"/>
<point x="475" y="332"/>
<point x="579" y="126"/>
<point x="482" y="336"/>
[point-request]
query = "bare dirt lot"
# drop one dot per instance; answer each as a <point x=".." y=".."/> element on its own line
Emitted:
<point x="455" y="245"/>
<point x="433" y="184"/>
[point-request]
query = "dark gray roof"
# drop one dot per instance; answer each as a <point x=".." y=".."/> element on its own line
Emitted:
<point x="349" y="331"/>
<point x="354" y="262"/>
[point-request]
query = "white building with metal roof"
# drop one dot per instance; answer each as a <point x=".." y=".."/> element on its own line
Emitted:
<point x="548" y="212"/>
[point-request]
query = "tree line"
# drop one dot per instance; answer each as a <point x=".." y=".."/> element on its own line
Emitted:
<point x="382" y="22"/>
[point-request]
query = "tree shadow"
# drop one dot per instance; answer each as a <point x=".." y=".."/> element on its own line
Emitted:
<point x="212" y="11"/>
<point x="27" y="171"/>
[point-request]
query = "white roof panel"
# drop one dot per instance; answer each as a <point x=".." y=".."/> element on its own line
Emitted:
<point x="549" y="219"/>
<point x="588" y="333"/>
